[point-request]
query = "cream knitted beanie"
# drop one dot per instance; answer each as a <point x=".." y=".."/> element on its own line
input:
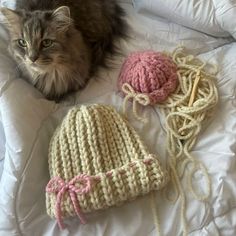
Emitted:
<point x="97" y="160"/>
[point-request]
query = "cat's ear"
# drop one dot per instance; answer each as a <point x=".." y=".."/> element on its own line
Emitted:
<point x="12" y="20"/>
<point x="61" y="18"/>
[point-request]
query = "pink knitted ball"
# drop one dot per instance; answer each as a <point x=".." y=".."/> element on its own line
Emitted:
<point x="151" y="73"/>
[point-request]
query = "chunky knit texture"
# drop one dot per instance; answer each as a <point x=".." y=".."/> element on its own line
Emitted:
<point x="97" y="160"/>
<point x="151" y="73"/>
<point x="148" y="77"/>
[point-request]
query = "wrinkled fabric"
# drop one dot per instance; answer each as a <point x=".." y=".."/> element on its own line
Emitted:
<point x="29" y="120"/>
<point x="214" y="17"/>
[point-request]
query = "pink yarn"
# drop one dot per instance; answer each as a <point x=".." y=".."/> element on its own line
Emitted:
<point x="151" y="73"/>
<point x="60" y="187"/>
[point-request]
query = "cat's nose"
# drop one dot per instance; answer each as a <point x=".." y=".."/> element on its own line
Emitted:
<point x="33" y="58"/>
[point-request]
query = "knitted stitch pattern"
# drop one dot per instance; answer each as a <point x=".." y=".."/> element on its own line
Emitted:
<point x="98" y="147"/>
<point x="151" y="73"/>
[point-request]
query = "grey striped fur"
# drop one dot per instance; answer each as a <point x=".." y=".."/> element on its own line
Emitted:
<point x="82" y="32"/>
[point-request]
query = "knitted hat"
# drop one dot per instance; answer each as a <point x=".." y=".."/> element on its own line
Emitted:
<point x="97" y="160"/>
<point x="148" y="77"/>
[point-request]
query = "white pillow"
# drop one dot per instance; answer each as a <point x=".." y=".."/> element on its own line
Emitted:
<point x="8" y="3"/>
<point x="226" y="15"/>
<point x="213" y="17"/>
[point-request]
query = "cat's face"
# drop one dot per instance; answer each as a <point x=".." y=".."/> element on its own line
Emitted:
<point x="38" y="39"/>
<point x="50" y="52"/>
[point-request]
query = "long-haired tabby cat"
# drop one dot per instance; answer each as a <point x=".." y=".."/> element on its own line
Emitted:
<point x="58" y="44"/>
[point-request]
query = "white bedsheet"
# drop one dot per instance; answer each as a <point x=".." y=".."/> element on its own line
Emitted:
<point x="29" y="121"/>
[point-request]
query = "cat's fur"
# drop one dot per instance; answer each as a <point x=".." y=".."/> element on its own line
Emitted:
<point x="82" y="34"/>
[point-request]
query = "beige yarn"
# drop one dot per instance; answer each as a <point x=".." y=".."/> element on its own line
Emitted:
<point x="185" y="111"/>
<point x="95" y="140"/>
<point x="138" y="98"/>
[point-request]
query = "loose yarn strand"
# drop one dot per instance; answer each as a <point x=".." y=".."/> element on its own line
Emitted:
<point x="185" y="110"/>
<point x="183" y="201"/>
<point x="138" y="98"/>
<point x="155" y="215"/>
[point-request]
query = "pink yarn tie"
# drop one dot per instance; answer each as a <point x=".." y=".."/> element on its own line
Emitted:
<point x="58" y="186"/>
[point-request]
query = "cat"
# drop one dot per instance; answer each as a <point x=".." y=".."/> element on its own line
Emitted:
<point x="59" y="44"/>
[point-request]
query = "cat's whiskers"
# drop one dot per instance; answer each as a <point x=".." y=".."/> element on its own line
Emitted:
<point x="55" y="51"/>
<point x="18" y="66"/>
<point x="61" y="58"/>
<point x="35" y="76"/>
<point x="44" y="61"/>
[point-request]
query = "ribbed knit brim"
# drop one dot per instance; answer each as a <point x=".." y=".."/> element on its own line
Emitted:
<point x="95" y="140"/>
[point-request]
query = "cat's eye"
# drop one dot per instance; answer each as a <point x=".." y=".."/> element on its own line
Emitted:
<point x="47" y="43"/>
<point x="22" y="43"/>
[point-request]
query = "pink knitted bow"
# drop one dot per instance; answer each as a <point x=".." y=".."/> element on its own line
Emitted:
<point x="80" y="184"/>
